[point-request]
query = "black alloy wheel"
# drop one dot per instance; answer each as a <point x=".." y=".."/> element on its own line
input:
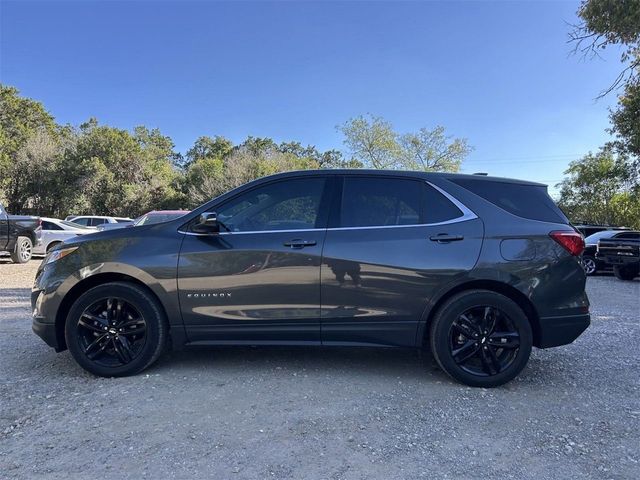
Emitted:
<point x="481" y="338"/>
<point x="116" y="329"/>
<point x="484" y="341"/>
<point x="111" y="332"/>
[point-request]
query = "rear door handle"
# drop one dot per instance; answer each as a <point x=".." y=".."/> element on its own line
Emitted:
<point x="446" y="238"/>
<point x="298" y="243"/>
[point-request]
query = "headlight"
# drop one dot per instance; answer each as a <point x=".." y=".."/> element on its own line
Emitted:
<point x="56" y="255"/>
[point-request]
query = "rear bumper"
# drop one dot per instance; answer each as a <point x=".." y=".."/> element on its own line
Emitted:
<point x="556" y="331"/>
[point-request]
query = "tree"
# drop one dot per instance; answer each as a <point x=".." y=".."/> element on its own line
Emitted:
<point x="209" y="147"/>
<point x="599" y="189"/>
<point x="616" y="23"/>
<point x="433" y="151"/>
<point x="373" y="142"/>
<point x="20" y="119"/>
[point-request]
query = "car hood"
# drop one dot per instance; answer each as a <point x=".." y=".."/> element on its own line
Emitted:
<point x="115" y="234"/>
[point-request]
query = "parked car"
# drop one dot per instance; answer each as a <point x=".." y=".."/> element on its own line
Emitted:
<point x="593" y="264"/>
<point x="623" y="253"/>
<point x="478" y="268"/>
<point x="95" y="220"/>
<point x="149" y="218"/>
<point x="18" y="235"/>
<point x="588" y="229"/>
<point x="55" y="231"/>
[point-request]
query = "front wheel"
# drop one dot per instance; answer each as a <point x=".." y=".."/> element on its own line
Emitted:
<point x="626" y="273"/>
<point x="116" y="329"/>
<point x="22" y="251"/>
<point x="481" y="338"/>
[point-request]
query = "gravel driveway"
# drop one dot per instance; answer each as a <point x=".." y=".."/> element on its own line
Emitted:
<point x="305" y="413"/>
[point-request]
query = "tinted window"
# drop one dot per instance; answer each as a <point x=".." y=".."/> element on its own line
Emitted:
<point x="439" y="208"/>
<point x="122" y="220"/>
<point x="72" y="224"/>
<point x="631" y="235"/>
<point x="50" y="226"/>
<point x="82" y="221"/>
<point x="370" y="202"/>
<point x="98" y="221"/>
<point x="528" y="201"/>
<point x="284" y="205"/>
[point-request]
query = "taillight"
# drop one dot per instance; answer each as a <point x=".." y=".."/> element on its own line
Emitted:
<point x="572" y="242"/>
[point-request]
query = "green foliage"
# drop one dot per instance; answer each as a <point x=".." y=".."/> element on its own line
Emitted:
<point x="55" y="170"/>
<point x="373" y="143"/>
<point x="599" y="189"/>
<point x="617" y="23"/>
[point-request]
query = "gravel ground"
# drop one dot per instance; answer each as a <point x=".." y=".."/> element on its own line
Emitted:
<point x="322" y="413"/>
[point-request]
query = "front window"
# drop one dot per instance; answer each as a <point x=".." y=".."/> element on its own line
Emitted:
<point x="285" y="205"/>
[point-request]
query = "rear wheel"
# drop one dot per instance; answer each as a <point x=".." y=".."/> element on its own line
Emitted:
<point x="481" y="338"/>
<point x="116" y="329"/>
<point x="626" y="273"/>
<point x="22" y="251"/>
<point x="589" y="265"/>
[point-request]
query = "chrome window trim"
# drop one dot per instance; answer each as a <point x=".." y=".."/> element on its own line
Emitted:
<point x="467" y="215"/>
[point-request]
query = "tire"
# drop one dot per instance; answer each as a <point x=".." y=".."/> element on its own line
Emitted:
<point x="626" y="273"/>
<point x="589" y="264"/>
<point x="510" y="348"/>
<point x="116" y="354"/>
<point x="52" y="245"/>
<point x="22" y="251"/>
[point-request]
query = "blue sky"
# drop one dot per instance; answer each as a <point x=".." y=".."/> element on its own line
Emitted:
<point x="497" y="73"/>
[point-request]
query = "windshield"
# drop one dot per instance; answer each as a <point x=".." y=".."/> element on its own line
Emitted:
<point x="74" y="225"/>
<point x="593" y="239"/>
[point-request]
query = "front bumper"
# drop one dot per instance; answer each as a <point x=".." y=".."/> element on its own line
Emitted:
<point x="556" y="331"/>
<point x="47" y="332"/>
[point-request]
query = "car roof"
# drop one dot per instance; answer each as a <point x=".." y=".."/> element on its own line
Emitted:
<point x="402" y="173"/>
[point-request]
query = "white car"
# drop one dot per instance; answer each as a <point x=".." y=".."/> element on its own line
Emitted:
<point x="95" y="220"/>
<point x="55" y="231"/>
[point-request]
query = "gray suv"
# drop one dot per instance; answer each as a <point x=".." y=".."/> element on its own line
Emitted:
<point x="479" y="269"/>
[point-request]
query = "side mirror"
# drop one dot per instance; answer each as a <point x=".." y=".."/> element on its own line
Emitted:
<point x="207" y="223"/>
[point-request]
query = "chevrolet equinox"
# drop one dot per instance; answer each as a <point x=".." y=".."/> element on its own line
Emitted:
<point x="479" y="269"/>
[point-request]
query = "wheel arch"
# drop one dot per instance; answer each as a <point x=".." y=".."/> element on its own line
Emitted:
<point x="93" y="281"/>
<point x="492" y="285"/>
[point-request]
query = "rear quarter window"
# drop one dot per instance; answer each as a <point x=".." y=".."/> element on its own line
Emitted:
<point x="527" y="201"/>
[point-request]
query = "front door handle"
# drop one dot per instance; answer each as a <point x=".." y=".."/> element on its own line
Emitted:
<point x="298" y="243"/>
<point x="446" y="238"/>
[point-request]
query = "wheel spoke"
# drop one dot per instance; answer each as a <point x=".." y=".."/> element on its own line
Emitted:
<point x="122" y="349"/>
<point x="465" y="329"/>
<point x="465" y="352"/>
<point x="96" y="347"/>
<point x="486" y="364"/>
<point x="488" y="319"/>
<point x="494" y="359"/>
<point x="118" y="314"/>
<point x="508" y="340"/>
<point x="88" y="321"/>
<point x="110" y="309"/>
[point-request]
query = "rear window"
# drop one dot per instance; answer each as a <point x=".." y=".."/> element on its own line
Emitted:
<point x="528" y="201"/>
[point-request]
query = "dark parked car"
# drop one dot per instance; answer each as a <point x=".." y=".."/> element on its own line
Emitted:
<point x="623" y="253"/>
<point x="478" y="268"/>
<point x="18" y="235"/>
<point x="595" y="264"/>
<point x="588" y="229"/>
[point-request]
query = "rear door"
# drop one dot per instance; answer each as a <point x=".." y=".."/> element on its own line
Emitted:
<point x="393" y="243"/>
<point x="259" y="281"/>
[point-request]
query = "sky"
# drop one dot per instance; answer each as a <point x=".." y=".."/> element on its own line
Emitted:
<point x="500" y="74"/>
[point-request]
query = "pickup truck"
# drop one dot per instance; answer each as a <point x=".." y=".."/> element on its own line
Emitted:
<point x="18" y="235"/>
<point x="623" y="254"/>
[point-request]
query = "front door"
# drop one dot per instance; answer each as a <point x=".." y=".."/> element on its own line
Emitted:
<point x="258" y="280"/>
<point x="395" y="242"/>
